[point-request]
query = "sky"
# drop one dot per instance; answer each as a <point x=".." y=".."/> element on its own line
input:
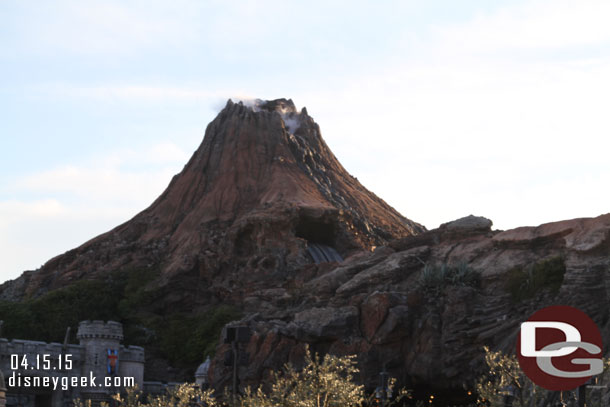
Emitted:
<point x="442" y="108"/>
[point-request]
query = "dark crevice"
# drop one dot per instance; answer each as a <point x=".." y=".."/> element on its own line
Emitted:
<point x="320" y="237"/>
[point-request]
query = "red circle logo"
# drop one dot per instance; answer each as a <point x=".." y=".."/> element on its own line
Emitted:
<point x="560" y="348"/>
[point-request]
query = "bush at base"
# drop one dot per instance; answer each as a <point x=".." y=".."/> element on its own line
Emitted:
<point x="323" y="382"/>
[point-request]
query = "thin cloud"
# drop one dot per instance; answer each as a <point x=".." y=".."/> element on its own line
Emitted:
<point x="73" y="203"/>
<point x="37" y="230"/>
<point x="474" y="126"/>
<point x="125" y="93"/>
<point x="533" y="25"/>
<point x="97" y="28"/>
<point x="112" y="177"/>
<point x="12" y="211"/>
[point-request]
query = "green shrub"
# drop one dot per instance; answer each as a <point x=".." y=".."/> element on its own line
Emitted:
<point x="137" y="291"/>
<point x="504" y="373"/>
<point x="184" y="395"/>
<point x="47" y="317"/>
<point x="125" y="296"/>
<point x="439" y="276"/>
<point x="527" y="282"/>
<point x="505" y="377"/>
<point x="185" y="340"/>
<point x="323" y="382"/>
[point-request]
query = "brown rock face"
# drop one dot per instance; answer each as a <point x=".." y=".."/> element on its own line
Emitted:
<point x="260" y="188"/>
<point x="389" y="308"/>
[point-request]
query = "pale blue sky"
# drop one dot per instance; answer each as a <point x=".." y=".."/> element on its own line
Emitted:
<point x="442" y="108"/>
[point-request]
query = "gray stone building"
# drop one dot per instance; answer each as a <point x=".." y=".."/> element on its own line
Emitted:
<point x="201" y="374"/>
<point x="44" y="374"/>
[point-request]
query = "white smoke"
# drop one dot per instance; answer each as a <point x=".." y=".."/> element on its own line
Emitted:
<point x="254" y="104"/>
<point x="290" y="118"/>
<point x="291" y="121"/>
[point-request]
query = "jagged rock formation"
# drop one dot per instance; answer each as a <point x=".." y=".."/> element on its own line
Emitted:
<point x="262" y="184"/>
<point x="389" y="308"/>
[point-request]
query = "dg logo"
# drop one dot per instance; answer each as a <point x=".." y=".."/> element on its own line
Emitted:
<point x="560" y="348"/>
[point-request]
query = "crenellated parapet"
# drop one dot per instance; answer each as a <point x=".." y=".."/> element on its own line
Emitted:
<point x="132" y="354"/>
<point x="100" y="330"/>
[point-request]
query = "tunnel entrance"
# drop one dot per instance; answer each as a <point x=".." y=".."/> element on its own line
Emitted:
<point x="321" y="253"/>
<point x="320" y="237"/>
<point x="315" y="231"/>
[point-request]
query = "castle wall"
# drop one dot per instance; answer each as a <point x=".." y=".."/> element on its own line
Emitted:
<point x="132" y="364"/>
<point x="31" y="350"/>
<point x="89" y="358"/>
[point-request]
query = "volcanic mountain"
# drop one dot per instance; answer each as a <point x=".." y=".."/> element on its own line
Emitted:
<point x="265" y="220"/>
<point x="261" y="197"/>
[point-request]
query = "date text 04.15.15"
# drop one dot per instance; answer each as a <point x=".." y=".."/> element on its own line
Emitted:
<point x="41" y="362"/>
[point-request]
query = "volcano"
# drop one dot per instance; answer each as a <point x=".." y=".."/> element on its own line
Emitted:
<point x="265" y="220"/>
<point x="262" y="196"/>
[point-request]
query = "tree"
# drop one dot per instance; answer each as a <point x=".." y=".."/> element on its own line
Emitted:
<point x="506" y="379"/>
<point x="323" y="382"/>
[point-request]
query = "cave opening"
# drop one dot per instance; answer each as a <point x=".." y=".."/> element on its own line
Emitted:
<point x="320" y="237"/>
<point x="316" y="231"/>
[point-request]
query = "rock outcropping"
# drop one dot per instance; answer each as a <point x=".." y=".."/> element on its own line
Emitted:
<point x="424" y="306"/>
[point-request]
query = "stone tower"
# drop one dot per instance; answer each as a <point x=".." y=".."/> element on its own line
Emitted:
<point x="102" y="343"/>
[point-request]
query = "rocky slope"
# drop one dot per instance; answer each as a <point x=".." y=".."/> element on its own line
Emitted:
<point x="424" y="306"/>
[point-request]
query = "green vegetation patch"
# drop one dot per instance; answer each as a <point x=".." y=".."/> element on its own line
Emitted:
<point x="185" y="340"/>
<point x="439" y="276"/>
<point x="323" y="382"/>
<point x="526" y="282"/>
<point x="47" y="317"/>
<point x="130" y="297"/>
